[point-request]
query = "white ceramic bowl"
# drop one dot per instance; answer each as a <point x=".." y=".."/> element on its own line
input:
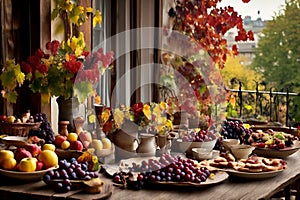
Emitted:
<point x="228" y="142"/>
<point x="187" y="146"/>
<point x="241" y="151"/>
<point x="201" y="153"/>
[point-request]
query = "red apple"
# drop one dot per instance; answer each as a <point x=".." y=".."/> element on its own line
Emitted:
<point x="22" y="153"/>
<point x="76" y="145"/>
<point x="59" y="139"/>
<point x="34" y="149"/>
<point x="39" y="165"/>
<point x="2" y="117"/>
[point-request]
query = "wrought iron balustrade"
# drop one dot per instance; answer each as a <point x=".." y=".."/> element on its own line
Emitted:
<point x="275" y="106"/>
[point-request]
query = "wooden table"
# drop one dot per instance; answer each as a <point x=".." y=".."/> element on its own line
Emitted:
<point x="231" y="189"/>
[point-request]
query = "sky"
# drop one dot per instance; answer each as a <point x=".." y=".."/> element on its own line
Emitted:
<point x="267" y="8"/>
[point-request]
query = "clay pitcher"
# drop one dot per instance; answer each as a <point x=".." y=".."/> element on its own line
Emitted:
<point x="147" y="145"/>
<point x="126" y="144"/>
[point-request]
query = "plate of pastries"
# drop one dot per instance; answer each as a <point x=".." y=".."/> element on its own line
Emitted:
<point x="253" y="167"/>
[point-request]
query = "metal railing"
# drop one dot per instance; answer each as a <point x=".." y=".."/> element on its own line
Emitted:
<point x="273" y="105"/>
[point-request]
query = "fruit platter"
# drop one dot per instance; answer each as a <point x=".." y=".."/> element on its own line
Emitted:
<point x="268" y="143"/>
<point x="254" y="167"/>
<point x="28" y="163"/>
<point x="137" y="173"/>
<point x="274" y="144"/>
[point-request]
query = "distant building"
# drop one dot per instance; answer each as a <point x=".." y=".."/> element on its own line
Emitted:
<point x="247" y="49"/>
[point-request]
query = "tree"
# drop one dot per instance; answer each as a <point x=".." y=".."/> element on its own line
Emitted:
<point x="278" y="52"/>
<point x="197" y="60"/>
<point x="234" y="69"/>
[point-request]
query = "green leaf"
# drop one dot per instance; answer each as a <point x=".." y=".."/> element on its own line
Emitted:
<point x="82" y="90"/>
<point x="11" y="96"/>
<point x="54" y="13"/>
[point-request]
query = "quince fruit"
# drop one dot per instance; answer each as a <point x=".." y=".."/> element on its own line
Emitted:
<point x="5" y="154"/>
<point x="50" y="147"/>
<point x="28" y="164"/>
<point x="72" y="137"/>
<point x="9" y="163"/>
<point x="106" y="143"/>
<point x="97" y="144"/>
<point x="49" y="158"/>
<point x="10" y="119"/>
<point x="65" y="145"/>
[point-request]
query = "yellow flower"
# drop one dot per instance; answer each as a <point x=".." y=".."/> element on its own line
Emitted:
<point x="157" y="110"/>
<point x="73" y="43"/>
<point x="67" y="57"/>
<point x="97" y="99"/>
<point x="69" y="7"/>
<point x="163" y="105"/>
<point x="147" y="111"/>
<point x="169" y="124"/>
<point x="118" y="117"/>
<point x="105" y="115"/>
<point x="89" y="10"/>
<point x="97" y="18"/>
<point x="78" y="51"/>
<point x="81" y="8"/>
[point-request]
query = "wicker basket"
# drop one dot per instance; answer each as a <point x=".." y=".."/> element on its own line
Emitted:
<point x="17" y="129"/>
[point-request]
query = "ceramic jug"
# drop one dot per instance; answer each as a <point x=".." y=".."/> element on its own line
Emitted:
<point x="125" y="144"/>
<point x="147" y="145"/>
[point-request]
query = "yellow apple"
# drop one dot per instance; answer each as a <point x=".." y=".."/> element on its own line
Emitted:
<point x="65" y="145"/>
<point x="49" y="158"/>
<point x="4" y="154"/>
<point x="106" y="143"/>
<point x="9" y="163"/>
<point x="72" y="137"/>
<point x="28" y="164"/>
<point x="10" y="119"/>
<point x="49" y="147"/>
<point x="97" y="144"/>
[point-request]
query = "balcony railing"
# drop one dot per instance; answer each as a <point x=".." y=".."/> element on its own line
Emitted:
<point x="275" y="106"/>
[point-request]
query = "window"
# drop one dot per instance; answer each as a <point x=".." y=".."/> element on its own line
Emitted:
<point x="134" y="74"/>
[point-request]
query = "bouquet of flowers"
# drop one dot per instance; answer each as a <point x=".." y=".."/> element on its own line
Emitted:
<point x="67" y="69"/>
<point x="150" y="117"/>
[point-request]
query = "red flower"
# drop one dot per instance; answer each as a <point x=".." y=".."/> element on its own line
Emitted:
<point x="73" y="65"/>
<point x="53" y="46"/>
<point x="42" y="68"/>
<point x="26" y="67"/>
<point x="138" y="108"/>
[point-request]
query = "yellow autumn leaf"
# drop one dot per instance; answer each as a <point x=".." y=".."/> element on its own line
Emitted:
<point x="20" y="78"/>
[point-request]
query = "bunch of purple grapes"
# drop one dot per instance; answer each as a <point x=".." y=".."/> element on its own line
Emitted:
<point x="67" y="171"/>
<point x="167" y="168"/>
<point x="45" y="131"/>
<point x="199" y="136"/>
<point x="235" y="130"/>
